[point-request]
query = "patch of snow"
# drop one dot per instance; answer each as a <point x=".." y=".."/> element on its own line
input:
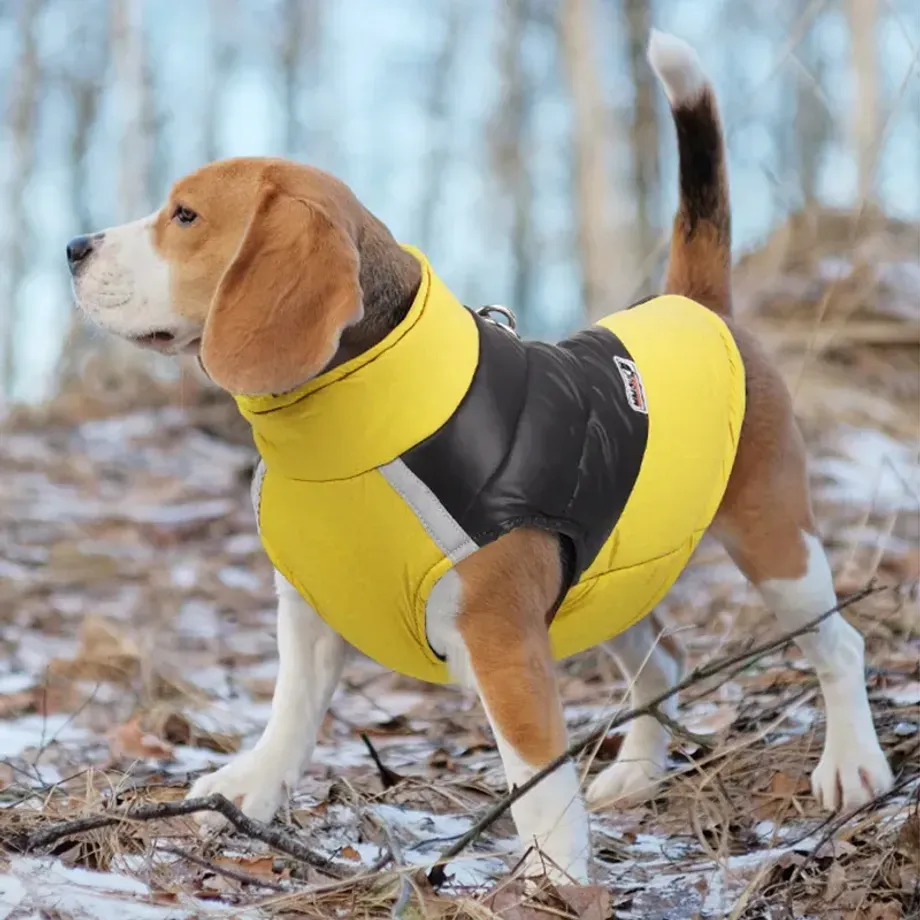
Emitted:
<point x="13" y="683"/>
<point x="184" y="574"/>
<point x="134" y="425"/>
<point x="236" y="576"/>
<point x="873" y="470"/>
<point x="11" y="571"/>
<point x="243" y="544"/>
<point x="831" y="269"/>
<point x="194" y="759"/>
<point x="180" y="513"/>
<point x="47" y="885"/>
<point x="906" y="695"/>
<point x="32" y="731"/>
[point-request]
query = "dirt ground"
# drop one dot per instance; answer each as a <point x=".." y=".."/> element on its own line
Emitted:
<point x="137" y="650"/>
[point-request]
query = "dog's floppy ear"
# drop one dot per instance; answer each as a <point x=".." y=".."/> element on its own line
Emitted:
<point x="282" y="304"/>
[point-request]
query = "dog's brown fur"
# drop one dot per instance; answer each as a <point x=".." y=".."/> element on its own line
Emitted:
<point x="277" y="270"/>
<point x="277" y="273"/>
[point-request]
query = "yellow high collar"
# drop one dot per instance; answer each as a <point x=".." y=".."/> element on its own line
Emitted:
<point x="369" y="410"/>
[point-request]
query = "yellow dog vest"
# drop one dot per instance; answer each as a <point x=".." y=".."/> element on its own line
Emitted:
<point x="350" y="495"/>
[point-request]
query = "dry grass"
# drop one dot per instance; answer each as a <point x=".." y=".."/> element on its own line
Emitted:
<point x="137" y="648"/>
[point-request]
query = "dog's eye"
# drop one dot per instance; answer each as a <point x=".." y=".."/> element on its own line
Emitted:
<point x="184" y="215"/>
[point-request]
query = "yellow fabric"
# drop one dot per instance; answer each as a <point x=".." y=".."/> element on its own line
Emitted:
<point x="336" y="529"/>
<point x="340" y="424"/>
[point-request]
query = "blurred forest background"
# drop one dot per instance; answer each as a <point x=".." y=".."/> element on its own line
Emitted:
<point x="521" y="143"/>
<point x="526" y="147"/>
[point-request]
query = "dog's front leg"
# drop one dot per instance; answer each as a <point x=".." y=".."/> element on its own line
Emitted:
<point x="490" y="622"/>
<point x="311" y="657"/>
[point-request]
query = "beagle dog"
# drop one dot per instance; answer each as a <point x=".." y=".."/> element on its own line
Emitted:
<point x="466" y="506"/>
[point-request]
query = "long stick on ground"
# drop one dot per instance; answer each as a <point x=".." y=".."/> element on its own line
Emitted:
<point x="437" y="876"/>
<point x="280" y="840"/>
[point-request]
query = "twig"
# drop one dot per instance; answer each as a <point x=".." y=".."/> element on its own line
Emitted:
<point x="436" y="875"/>
<point x="405" y="889"/>
<point x="840" y="821"/>
<point x="280" y="840"/>
<point x="675" y="728"/>
<point x="238" y="876"/>
<point x="388" y="777"/>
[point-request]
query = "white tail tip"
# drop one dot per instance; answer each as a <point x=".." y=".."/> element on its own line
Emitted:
<point x="677" y="66"/>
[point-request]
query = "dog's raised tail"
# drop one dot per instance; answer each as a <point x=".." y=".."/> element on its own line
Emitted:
<point x="700" y="261"/>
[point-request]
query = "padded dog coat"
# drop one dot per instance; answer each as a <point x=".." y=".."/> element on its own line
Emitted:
<point x="380" y="475"/>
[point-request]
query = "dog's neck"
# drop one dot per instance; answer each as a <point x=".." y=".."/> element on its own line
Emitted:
<point x="390" y="278"/>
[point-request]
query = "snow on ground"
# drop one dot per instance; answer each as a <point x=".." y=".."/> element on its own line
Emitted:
<point x="137" y="650"/>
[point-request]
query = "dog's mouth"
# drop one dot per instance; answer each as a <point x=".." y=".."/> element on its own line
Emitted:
<point x="167" y="343"/>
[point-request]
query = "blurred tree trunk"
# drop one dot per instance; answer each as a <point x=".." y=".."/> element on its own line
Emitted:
<point x="509" y="133"/>
<point x="222" y="15"/>
<point x="86" y="79"/>
<point x="608" y="258"/>
<point x="86" y="90"/>
<point x="644" y="127"/>
<point x="22" y="119"/>
<point x="436" y="160"/>
<point x="131" y="81"/>
<point x="301" y="50"/>
<point x="813" y="123"/>
<point x="865" y="124"/>
<point x="103" y="367"/>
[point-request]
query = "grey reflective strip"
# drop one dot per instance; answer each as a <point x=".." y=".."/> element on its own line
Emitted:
<point x="450" y="537"/>
<point x="255" y="490"/>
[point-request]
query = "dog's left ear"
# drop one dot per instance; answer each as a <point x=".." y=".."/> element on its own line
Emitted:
<point x="281" y="306"/>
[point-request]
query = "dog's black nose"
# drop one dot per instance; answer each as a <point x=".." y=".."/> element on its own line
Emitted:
<point x="78" y="249"/>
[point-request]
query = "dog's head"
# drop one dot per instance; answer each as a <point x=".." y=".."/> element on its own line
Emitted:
<point x="252" y="263"/>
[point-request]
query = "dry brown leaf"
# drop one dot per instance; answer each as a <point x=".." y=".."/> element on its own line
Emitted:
<point x="260" y="688"/>
<point x="836" y="882"/>
<point x="131" y="742"/>
<point x="105" y="654"/>
<point x="259" y="866"/>
<point x="786" y="786"/>
<point x="905" y="567"/>
<point x="440" y="759"/>
<point x="350" y="853"/>
<point x="7" y="775"/>
<point x="889" y="910"/>
<point x="711" y="719"/>
<point x="177" y="728"/>
<point x="508" y="903"/>
<point x="398" y="725"/>
<point x="20" y="703"/>
<point x="609" y="748"/>
<point x="513" y="901"/>
<point x="588" y="902"/>
<point x="908" y="841"/>
<point x="45" y="699"/>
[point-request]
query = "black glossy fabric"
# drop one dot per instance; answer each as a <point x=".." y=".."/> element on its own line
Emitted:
<point x="546" y="436"/>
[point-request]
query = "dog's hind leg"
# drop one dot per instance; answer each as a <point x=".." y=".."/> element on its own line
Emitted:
<point x="651" y="663"/>
<point x="766" y="525"/>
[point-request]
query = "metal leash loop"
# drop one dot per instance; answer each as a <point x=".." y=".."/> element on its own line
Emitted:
<point x="510" y="324"/>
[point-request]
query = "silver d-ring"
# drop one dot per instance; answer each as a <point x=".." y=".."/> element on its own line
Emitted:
<point x="510" y="323"/>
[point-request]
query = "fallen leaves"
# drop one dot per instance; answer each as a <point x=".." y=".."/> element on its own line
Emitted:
<point x="106" y="653"/>
<point x="52" y="696"/>
<point x="516" y="900"/>
<point x="178" y="728"/>
<point x="131" y="742"/>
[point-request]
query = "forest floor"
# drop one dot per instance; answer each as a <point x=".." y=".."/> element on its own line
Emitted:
<point x="137" y="650"/>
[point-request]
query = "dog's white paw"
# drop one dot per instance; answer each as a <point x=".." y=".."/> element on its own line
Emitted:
<point x="250" y="782"/>
<point x="850" y="774"/>
<point x="628" y="782"/>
